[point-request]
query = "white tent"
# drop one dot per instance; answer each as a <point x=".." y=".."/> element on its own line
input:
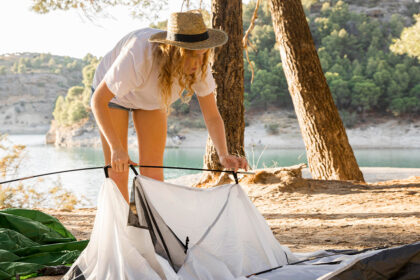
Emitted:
<point x="178" y="232"/>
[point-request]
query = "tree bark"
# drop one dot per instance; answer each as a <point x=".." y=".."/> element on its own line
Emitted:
<point x="329" y="153"/>
<point x="228" y="71"/>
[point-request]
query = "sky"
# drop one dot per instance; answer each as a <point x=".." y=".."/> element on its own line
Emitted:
<point x="66" y="33"/>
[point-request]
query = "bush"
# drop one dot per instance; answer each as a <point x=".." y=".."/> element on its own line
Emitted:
<point x="173" y="130"/>
<point x="349" y="118"/>
<point x="77" y="111"/>
<point x="194" y="123"/>
<point x="59" y="113"/>
<point x="3" y="70"/>
<point x="180" y="107"/>
<point x="272" y="128"/>
<point x="74" y="93"/>
<point x="404" y="105"/>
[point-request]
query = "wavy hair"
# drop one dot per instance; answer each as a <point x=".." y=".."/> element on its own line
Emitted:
<point x="171" y="61"/>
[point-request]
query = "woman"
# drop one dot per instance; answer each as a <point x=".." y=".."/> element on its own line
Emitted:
<point x="146" y="71"/>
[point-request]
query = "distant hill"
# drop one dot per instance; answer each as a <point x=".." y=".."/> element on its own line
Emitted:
<point x="29" y="86"/>
<point x="381" y="9"/>
<point x="30" y="83"/>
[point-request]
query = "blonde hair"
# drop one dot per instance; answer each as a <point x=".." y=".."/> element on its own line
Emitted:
<point x="171" y="60"/>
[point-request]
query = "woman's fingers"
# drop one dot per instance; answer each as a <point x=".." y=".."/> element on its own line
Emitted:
<point x="119" y="165"/>
<point x="245" y="164"/>
<point x="235" y="162"/>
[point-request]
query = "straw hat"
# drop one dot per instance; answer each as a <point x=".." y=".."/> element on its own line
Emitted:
<point x="187" y="30"/>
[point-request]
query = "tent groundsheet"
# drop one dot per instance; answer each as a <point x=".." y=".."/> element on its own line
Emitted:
<point x="32" y="241"/>
<point x="184" y="233"/>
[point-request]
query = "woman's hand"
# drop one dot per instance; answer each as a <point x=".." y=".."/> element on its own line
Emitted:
<point x="120" y="160"/>
<point x="234" y="162"/>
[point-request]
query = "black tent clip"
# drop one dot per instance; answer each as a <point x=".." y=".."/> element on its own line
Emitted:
<point x="235" y="175"/>
<point x="187" y="241"/>
<point x="106" y="171"/>
<point x="134" y="169"/>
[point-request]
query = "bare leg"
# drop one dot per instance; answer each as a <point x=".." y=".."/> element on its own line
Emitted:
<point x="151" y="132"/>
<point x="120" y="124"/>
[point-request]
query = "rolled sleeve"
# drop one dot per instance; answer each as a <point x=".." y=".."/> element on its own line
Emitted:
<point x="205" y="86"/>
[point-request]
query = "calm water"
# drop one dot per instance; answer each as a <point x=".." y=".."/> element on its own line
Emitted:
<point x="41" y="158"/>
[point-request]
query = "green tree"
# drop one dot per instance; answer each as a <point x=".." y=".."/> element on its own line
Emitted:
<point x="340" y="90"/>
<point x="74" y="93"/>
<point x="402" y="105"/>
<point x="51" y="62"/>
<point x="76" y="111"/>
<point x="21" y="68"/>
<point x="365" y="94"/>
<point x="59" y="113"/>
<point x="3" y="70"/>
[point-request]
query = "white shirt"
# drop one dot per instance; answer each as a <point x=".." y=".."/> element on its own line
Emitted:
<point x="131" y="73"/>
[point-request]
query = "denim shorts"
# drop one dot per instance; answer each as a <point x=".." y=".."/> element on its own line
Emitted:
<point x="114" y="105"/>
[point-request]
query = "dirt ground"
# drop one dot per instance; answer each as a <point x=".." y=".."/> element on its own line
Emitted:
<point x="309" y="215"/>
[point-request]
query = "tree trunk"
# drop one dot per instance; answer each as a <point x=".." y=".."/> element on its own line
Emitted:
<point x="329" y="153"/>
<point x="228" y="71"/>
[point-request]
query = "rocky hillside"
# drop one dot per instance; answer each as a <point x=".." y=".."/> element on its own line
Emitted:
<point x="30" y="82"/>
<point x="29" y="86"/>
<point x="381" y="9"/>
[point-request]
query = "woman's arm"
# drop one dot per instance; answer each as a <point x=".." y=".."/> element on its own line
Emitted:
<point x="100" y="100"/>
<point x="216" y="129"/>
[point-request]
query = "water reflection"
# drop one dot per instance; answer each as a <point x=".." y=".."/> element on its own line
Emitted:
<point x="41" y="158"/>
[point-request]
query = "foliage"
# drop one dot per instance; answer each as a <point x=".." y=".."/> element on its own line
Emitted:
<point x="409" y="42"/>
<point x="36" y="63"/>
<point x="75" y="105"/>
<point x="354" y="50"/>
<point x="272" y="128"/>
<point x="193" y="123"/>
<point x="140" y="8"/>
<point x="349" y="118"/>
<point x="370" y="64"/>
<point x="3" y="70"/>
<point x="180" y="107"/>
<point x="173" y="130"/>
<point x="27" y="196"/>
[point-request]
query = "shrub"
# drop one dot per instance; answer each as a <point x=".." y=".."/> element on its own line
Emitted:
<point x="272" y="128"/>
<point x="76" y="111"/>
<point x="349" y="118"/>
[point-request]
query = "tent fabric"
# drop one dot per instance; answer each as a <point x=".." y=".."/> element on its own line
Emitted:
<point x="31" y="240"/>
<point x="184" y="233"/>
<point x="228" y="237"/>
<point x="394" y="263"/>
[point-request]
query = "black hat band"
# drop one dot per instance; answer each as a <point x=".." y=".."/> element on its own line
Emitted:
<point x="187" y="37"/>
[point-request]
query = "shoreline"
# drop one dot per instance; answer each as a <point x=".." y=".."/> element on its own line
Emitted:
<point x="382" y="133"/>
<point x="198" y="139"/>
<point x="371" y="174"/>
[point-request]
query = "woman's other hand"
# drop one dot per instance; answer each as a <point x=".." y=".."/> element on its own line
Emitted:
<point x="120" y="160"/>
<point x="234" y="162"/>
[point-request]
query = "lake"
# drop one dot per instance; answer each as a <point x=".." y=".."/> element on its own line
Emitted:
<point x="41" y="158"/>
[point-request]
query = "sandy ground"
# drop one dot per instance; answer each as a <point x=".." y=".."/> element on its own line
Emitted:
<point x="309" y="215"/>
